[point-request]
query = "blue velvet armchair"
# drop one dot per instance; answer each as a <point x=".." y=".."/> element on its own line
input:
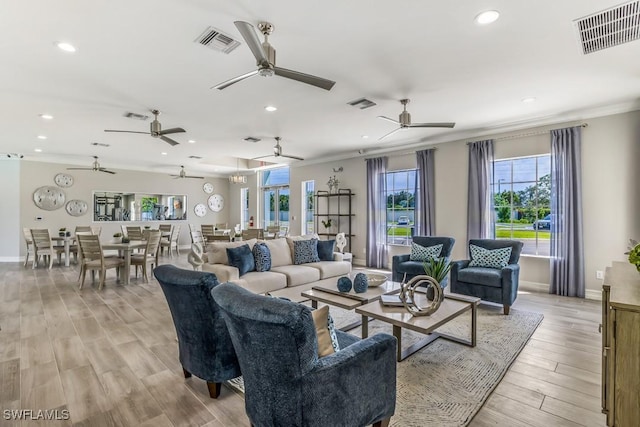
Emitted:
<point x="489" y="284"/>
<point x="404" y="269"/>
<point x="205" y="346"/>
<point x="286" y="384"/>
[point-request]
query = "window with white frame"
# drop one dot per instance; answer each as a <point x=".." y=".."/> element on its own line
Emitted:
<point x="274" y="186"/>
<point x="521" y="190"/>
<point x="307" y="207"/>
<point x="401" y="203"/>
<point x="244" y="208"/>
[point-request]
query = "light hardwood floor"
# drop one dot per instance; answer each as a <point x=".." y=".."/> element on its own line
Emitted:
<point x="110" y="358"/>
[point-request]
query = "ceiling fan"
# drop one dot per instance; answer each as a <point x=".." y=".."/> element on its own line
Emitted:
<point x="155" y="130"/>
<point x="183" y="174"/>
<point x="95" y="167"/>
<point x="266" y="59"/>
<point x="404" y="121"/>
<point x="277" y="152"/>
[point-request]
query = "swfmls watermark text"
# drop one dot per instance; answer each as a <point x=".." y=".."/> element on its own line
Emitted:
<point x="36" y="414"/>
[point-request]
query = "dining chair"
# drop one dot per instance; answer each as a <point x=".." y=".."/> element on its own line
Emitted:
<point x="96" y="229"/>
<point x="165" y="228"/>
<point x="92" y="258"/>
<point x="273" y="232"/>
<point x="252" y="233"/>
<point x="124" y="230"/>
<point x="196" y="237"/>
<point x="219" y="238"/>
<point x="42" y="246"/>
<point x="26" y="232"/>
<point x="150" y="254"/>
<point x="134" y="233"/>
<point x="172" y="242"/>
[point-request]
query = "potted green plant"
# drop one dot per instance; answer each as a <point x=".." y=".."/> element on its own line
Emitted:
<point x="327" y="224"/>
<point x="117" y="237"/>
<point x="438" y="268"/>
<point x="62" y="232"/>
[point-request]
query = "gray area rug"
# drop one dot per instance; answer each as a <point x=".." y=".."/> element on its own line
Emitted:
<point x="445" y="383"/>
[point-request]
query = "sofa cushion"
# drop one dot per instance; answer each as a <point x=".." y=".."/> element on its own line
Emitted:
<point x="217" y="251"/>
<point x="280" y="253"/>
<point x="422" y="253"/>
<point x="305" y="251"/>
<point x="491" y="258"/>
<point x="263" y="282"/>
<point x="481" y="276"/>
<point x="298" y="274"/>
<point x="325" y="249"/>
<point x="262" y="257"/>
<point x="331" y="268"/>
<point x="241" y="258"/>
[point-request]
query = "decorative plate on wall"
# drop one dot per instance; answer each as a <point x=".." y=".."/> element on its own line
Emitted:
<point x="200" y="210"/>
<point x="63" y="180"/>
<point x="216" y="202"/>
<point x="207" y="187"/>
<point x="76" y="207"/>
<point x="49" y="198"/>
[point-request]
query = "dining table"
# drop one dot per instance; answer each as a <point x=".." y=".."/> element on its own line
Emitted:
<point x="66" y="241"/>
<point x="125" y="249"/>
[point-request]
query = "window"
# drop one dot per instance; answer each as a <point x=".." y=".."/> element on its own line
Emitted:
<point x="275" y="197"/>
<point x="307" y="206"/>
<point x="522" y="201"/>
<point x="401" y="196"/>
<point x="244" y="208"/>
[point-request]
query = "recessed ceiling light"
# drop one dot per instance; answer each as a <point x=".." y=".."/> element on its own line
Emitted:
<point x="365" y="136"/>
<point x="529" y="99"/>
<point x="46" y="116"/>
<point x="38" y="150"/>
<point x="487" y="17"/>
<point x="191" y="141"/>
<point x="67" y="47"/>
<point x="163" y="153"/>
<point x="42" y="137"/>
<point x="270" y="108"/>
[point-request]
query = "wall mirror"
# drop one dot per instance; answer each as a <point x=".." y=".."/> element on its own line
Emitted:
<point x="114" y="206"/>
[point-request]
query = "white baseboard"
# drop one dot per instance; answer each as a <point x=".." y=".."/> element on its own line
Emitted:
<point x="11" y="259"/>
<point x="592" y="294"/>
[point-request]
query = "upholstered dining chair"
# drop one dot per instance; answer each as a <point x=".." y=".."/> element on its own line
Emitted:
<point x="42" y="246"/>
<point x="492" y="275"/>
<point x="150" y="254"/>
<point x="205" y="348"/>
<point x="287" y="384"/>
<point x="92" y="258"/>
<point x="26" y="232"/>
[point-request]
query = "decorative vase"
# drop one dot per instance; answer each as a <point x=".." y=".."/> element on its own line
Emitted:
<point x="407" y="295"/>
<point x="344" y="284"/>
<point x="360" y="283"/>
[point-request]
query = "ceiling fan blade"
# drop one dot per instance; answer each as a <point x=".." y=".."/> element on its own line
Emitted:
<point x="194" y="177"/>
<point x="172" y="130"/>
<point x="168" y="140"/>
<point x="389" y="119"/>
<point x="126" y="131"/>
<point x="262" y="157"/>
<point x="432" y="125"/>
<point x="249" y="34"/>
<point x="389" y="134"/>
<point x="304" y="78"/>
<point x="291" y="157"/>
<point x="79" y="169"/>
<point x="106" y="171"/>
<point x="234" y="80"/>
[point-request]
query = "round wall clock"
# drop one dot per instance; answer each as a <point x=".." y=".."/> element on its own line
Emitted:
<point x="76" y="207"/>
<point x="207" y="187"/>
<point x="200" y="210"/>
<point x="216" y="202"/>
<point x="63" y="180"/>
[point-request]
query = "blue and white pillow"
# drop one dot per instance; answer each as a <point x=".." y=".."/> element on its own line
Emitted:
<point x="332" y="333"/>
<point x="424" y="253"/>
<point x="491" y="258"/>
<point x="305" y="251"/>
<point x="262" y="257"/>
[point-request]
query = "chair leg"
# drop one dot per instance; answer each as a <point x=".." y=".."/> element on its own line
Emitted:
<point x="505" y="309"/>
<point x="382" y="423"/>
<point x="26" y="259"/>
<point x="50" y="261"/>
<point x="214" y="389"/>
<point x="103" y="276"/>
<point x="186" y="373"/>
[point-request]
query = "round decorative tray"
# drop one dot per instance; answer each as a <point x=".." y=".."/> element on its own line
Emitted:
<point x="376" y="279"/>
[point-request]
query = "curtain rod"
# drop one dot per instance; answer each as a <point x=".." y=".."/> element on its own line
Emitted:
<point x="521" y="135"/>
<point x="395" y="154"/>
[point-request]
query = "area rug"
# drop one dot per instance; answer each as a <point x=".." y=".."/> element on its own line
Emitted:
<point x="446" y="383"/>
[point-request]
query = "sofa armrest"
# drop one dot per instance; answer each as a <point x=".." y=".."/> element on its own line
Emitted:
<point x="510" y="277"/>
<point x="338" y="256"/>
<point x="224" y="273"/>
<point x="396" y="275"/>
<point x="456" y="266"/>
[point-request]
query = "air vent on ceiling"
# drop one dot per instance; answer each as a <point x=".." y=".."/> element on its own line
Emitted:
<point x="217" y="40"/>
<point x="99" y="144"/>
<point x="610" y="27"/>
<point x="195" y="157"/>
<point x="362" y="103"/>
<point x="251" y="139"/>
<point x="136" y="116"/>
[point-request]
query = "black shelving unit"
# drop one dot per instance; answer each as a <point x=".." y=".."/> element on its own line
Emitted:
<point x="338" y="208"/>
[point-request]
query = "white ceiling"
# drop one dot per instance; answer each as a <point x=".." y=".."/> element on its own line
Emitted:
<point x="138" y="55"/>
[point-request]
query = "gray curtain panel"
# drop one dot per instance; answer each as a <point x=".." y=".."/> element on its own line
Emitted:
<point x="376" y="213"/>
<point x="567" y="254"/>
<point x="479" y="201"/>
<point x="425" y="217"/>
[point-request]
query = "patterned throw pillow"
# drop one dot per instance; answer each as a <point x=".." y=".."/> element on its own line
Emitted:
<point x="332" y="333"/>
<point x="492" y="258"/>
<point x="262" y="257"/>
<point x="424" y="253"/>
<point x="305" y="251"/>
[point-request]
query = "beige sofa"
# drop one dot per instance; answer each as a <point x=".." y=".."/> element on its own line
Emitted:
<point x="284" y="273"/>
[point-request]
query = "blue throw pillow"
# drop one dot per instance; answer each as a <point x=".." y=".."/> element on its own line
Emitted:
<point x="262" y="257"/>
<point x="305" y="251"/>
<point x="491" y="258"/>
<point x="241" y="258"/>
<point x="325" y="249"/>
<point x="424" y="253"/>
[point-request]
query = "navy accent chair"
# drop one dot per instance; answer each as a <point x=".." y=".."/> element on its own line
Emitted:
<point x="403" y="269"/>
<point x="286" y="384"/>
<point x="205" y="346"/>
<point x="489" y="284"/>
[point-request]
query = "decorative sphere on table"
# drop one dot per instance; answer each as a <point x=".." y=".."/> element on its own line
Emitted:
<point x="360" y="283"/>
<point x="344" y="284"/>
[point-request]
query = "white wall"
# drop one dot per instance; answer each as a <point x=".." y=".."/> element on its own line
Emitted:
<point x="10" y="212"/>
